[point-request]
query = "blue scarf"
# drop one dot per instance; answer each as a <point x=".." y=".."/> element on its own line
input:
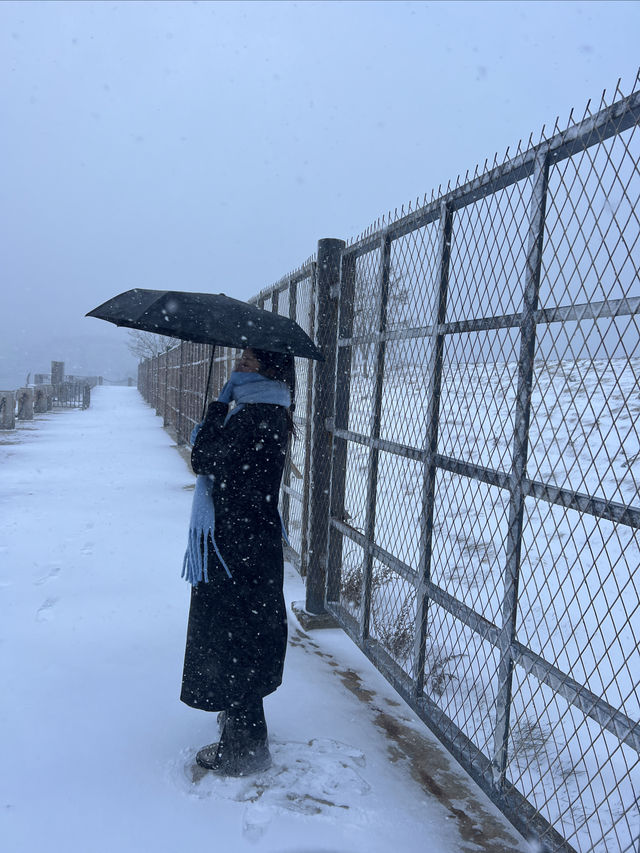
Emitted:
<point x="242" y="389"/>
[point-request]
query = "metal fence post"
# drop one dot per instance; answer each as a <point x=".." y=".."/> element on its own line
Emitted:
<point x="434" y="373"/>
<point x="179" y="395"/>
<point x="165" y="407"/>
<point x="341" y="421"/>
<point x="159" y="384"/>
<point x="374" y="453"/>
<point x="328" y="273"/>
<point x="156" y="381"/>
<point x="286" y="499"/>
<point x="306" y="476"/>
<point x="519" y="466"/>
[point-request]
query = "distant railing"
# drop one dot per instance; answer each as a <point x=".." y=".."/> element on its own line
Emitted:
<point x="22" y="404"/>
<point x="71" y="395"/>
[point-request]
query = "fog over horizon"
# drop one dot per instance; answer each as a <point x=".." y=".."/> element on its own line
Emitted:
<point x="209" y="145"/>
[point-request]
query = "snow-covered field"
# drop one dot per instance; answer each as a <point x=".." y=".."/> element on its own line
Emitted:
<point x="97" y="751"/>
<point x="579" y="575"/>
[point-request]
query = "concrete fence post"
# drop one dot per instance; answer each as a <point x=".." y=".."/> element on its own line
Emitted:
<point x="25" y="404"/>
<point x="7" y="410"/>
<point x="40" y="400"/>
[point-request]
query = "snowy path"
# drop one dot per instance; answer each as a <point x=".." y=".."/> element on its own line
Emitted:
<point x="97" y="751"/>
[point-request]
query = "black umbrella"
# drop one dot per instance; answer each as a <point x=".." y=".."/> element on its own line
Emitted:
<point x="207" y="318"/>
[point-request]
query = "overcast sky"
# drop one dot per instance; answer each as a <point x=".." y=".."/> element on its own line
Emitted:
<point x="208" y="145"/>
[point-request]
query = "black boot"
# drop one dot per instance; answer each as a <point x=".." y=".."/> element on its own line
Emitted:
<point x="244" y="744"/>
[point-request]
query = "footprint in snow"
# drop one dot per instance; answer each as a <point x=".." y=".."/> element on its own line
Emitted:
<point x="315" y="778"/>
<point x="44" y="612"/>
<point x="53" y="573"/>
<point x="87" y="549"/>
<point x="256" y="820"/>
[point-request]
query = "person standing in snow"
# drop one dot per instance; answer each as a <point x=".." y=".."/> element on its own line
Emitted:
<point x="237" y="630"/>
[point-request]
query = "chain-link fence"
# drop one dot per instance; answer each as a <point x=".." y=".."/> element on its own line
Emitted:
<point x="294" y="297"/>
<point x="464" y="489"/>
<point x="174" y="383"/>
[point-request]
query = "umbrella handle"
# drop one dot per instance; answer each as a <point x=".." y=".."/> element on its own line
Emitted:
<point x="206" y="392"/>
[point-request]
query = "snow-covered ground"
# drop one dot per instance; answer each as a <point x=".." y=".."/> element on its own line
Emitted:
<point x="97" y="751"/>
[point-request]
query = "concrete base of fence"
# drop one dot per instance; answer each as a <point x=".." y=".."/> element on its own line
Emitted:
<point x="312" y="621"/>
<point x="7" y="410"/>
<point x="25" y="404"/>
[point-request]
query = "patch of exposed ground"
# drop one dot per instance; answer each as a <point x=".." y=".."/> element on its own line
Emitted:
<point x="428" y="763"/>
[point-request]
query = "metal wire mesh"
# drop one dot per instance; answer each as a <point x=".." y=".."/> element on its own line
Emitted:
<point x="487" y="557"/>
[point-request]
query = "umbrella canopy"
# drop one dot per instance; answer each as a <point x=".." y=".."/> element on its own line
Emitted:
<point x="207" y="318"/>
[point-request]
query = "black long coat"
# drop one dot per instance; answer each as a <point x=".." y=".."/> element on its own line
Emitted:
<point x="237" y="632"/>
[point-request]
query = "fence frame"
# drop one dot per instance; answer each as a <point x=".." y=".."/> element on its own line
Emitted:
<point x="488" y="771"/>
<point x="327" y="435"/>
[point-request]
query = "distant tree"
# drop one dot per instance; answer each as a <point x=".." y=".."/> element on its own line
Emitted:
<point x="148" y="345"/>
<point x="367" y="306"/>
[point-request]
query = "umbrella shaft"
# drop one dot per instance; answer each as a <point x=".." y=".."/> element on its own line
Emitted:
<point x="206" y="393"/>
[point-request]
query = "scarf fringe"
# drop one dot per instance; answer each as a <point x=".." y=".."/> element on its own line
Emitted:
<point x="196" y="558"/>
